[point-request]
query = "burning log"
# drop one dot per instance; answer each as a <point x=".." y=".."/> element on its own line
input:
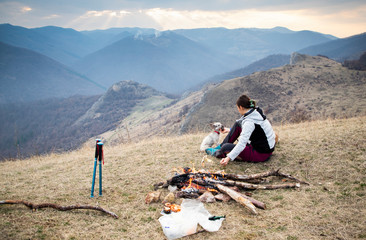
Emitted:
<point x="55" y="206"/>
<point x="237" y="197"/>
<point x="192" y="184"/>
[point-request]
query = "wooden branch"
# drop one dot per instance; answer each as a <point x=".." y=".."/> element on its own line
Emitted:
<point x="252" y="176"/>
<point x="291" y="177"/>
<point x="160" y="185"/>
<point x="263" y="175"/>
<point x="237" y="197"/>
<point x="55" y="206"/>
<point x="255" y="202"/>
<point x="260" y="187"/>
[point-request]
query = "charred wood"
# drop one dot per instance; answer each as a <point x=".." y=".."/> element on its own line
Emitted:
<point x="182" y="194"/>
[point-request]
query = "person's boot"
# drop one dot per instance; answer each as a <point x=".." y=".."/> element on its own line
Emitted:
<point x="211" y="151"/>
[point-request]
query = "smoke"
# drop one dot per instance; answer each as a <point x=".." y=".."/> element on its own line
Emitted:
<point x="138" y="35"/>
<point x="157" y="33"/>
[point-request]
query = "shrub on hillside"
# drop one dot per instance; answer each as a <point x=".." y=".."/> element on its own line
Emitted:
<point x="359" y="64"/>
<point x="298" y="114"/>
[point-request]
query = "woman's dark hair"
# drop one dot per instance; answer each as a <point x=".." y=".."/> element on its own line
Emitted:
<point x="245" y="101"/>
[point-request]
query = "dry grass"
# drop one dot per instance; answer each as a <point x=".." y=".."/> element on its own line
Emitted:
<point x="330" y="154"/>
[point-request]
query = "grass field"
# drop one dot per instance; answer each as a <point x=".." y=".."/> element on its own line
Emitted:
<point x="330" y="155"/>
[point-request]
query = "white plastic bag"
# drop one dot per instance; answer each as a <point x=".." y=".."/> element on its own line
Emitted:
<point x="183" y="223"/>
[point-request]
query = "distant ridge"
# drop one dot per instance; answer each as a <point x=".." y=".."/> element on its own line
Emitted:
<point x="350" y="48"/>
<point x="272" y="61"/>
<point x="166" y="61"/>
<point x="62" y="124"/>
<point x="252" y="44"/>
<point x="116" y="104"/>
<point x="28" y="76"/>
<point x="61" y="44"/>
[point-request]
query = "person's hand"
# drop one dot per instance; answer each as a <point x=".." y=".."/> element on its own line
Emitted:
<point x="225" y="161"/>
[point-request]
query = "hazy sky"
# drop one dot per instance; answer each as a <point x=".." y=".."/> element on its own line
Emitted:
<point x="341" y="18"/>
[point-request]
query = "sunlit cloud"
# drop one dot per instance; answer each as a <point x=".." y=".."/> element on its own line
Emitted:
<point x="112" y="18"/>
<point x="171" y="19"/>
<point x="304" y="19"/>
<point x="108" y="13"/>
<point x="53" y="16"/>
<point x="338" y="18"/>
<point x="26" y="9"/>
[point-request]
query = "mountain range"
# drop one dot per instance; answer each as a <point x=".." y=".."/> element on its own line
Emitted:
<point x="62" y="87"/>
<point x="171" y="61"/>
<point x="27" y="76"/>
<point x="252" y="44"/>
<point x="157" y="61"/>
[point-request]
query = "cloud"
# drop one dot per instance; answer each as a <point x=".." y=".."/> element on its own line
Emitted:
<point x="113" y="18"/>
<point x="337" y="17"/>
<point x="53" y="16"/>
<point x="168" y="18"/>
<point x="26" y="9"/>
<point x="11" y="9"/>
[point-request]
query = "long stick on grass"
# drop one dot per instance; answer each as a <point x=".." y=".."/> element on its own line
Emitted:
<point x="55" y="206"/>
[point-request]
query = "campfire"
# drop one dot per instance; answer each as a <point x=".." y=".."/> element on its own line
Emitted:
<point x="209" y="186"/>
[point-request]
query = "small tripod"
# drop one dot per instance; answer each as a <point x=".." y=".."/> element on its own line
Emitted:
<point x="99" y="157"/>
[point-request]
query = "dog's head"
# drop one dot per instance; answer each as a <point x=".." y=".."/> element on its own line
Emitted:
<point x="217" y="126"/>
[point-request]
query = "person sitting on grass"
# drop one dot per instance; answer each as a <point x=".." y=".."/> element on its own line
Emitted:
<point x="257" y="139"/>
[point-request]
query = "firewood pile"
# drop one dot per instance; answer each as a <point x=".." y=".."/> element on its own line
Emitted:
<point x="209" y="187"/>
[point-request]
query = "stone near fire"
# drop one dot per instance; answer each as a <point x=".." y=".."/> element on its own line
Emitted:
<point x="207" y="197"/>
<point x="152" y="197"/>
<point x="222" y="197"/>
<point x="170" y="198"/>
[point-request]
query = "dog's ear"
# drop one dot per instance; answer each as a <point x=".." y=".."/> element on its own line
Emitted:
<point x="212" y="125"/>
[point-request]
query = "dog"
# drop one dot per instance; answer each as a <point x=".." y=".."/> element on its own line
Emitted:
<point x="213" y="137"/>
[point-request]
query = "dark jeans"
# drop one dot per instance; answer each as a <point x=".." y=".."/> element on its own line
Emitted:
<point x="249" y="154"/>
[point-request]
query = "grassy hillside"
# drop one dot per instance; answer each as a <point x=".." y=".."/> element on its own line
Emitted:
<point x="64" y="124"/>
<point x="329" y="154"/>
<point x="311" y="88"/>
